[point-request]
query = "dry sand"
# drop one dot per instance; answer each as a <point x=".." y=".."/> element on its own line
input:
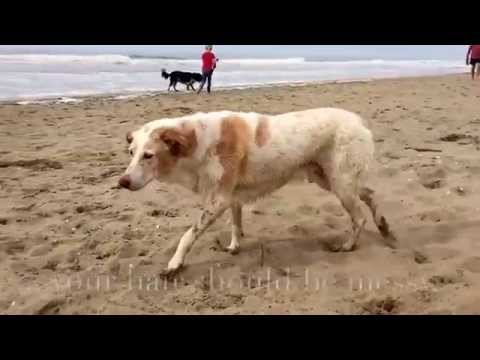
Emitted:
<point x="72" y="243"/>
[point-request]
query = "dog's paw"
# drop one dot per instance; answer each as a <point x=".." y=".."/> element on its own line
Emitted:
<point x="233" y="250"/>
<point x="170" y="274"/>
<point x="173" y="268"/>
<point x="346" y="246"/>
<point x="391" y="241"/>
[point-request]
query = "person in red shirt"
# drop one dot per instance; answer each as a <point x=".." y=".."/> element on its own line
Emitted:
<point x="473" y="58"/>
<point x="209" y="63"/>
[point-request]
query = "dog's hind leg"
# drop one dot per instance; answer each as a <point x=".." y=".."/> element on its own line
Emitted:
<point x="352" y="204"/>
<point x="343" y="183"/>
<point x="315" y="174"/>
<point x="349" y="200"/>
<point x="367" y="195"/>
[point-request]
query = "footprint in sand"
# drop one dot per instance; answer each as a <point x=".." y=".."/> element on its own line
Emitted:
<point x="441" y="253"/>
<point x="41" y="250"/>
<point x="333" y="209"/>
<point x="334" y="222"/>
<point x="474" y="170"/>
<point x="446" y="279"/>
<point x="432" y="178"/>
<point x="125" y="218"/>
<point x="128" y="250"/>
<point x="308" y="210"/>
<point x="436" y="215"/>
<point x="47" y="306"/>
<point x="388" y="172"/>
<point x="298" y="230"/>
<point x="11" y="246"/>
<point x="427" y="200"/>
<point x="380" y="306"/>
<point x="36" y="164"/>
<point x="472" y="264"/>
<point x="420" y="258"/>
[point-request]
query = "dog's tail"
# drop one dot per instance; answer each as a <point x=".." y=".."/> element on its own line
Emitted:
<point x="165" y="75"/>
<point x="367" y="195"/>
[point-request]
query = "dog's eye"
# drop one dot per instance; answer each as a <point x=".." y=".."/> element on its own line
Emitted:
<point x="147" y="156"/>
<point x="130" y="152"/>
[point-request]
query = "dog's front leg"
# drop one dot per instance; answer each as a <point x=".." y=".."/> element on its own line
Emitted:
<point x="211" y="213"/>
<point x="237" y="229"/>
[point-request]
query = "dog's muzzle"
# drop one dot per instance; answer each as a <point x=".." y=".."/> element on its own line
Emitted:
<point x="125" y="182"/>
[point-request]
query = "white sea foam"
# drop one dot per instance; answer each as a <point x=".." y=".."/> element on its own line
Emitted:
<point x="125" y="97"/>
<point x="63" y="59"/>
<point x="62" y="100"/>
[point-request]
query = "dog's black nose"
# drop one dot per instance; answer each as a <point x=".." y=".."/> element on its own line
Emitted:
<point x="124" y="181"/>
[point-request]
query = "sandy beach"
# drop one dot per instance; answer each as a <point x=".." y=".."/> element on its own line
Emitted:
<point x="71" y="242"/>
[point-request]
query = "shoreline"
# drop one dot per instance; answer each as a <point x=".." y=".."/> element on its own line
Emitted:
<point x="67" y="99"/>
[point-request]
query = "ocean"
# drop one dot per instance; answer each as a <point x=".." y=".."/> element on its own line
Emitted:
<point x="47" y="71"/>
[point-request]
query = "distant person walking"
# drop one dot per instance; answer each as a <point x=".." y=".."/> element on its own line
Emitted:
<point x="209" y="63"/>
<point x="473" y="59"/>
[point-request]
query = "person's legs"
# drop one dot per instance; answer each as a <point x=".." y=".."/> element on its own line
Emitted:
<point x="477" y="71"/>
<point x="209" y="78"/>
<point x="474" y="64"/>
<point x="204" y="79"/>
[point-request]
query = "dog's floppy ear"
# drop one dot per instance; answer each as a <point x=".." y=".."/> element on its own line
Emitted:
<point x="129" y="137"/>
<point x="180" y="142"/>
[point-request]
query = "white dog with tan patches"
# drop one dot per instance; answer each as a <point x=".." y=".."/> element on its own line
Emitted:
<point x="233" y="158"/>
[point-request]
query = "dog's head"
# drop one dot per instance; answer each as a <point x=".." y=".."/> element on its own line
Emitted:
<point x="155" y="153"/>
<point x="165" y="75"/>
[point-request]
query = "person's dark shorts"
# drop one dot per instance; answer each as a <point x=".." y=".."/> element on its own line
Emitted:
<point x="474" y="61"/>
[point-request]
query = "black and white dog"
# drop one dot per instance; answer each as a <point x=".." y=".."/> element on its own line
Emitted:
<point x="185" y="78"/>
